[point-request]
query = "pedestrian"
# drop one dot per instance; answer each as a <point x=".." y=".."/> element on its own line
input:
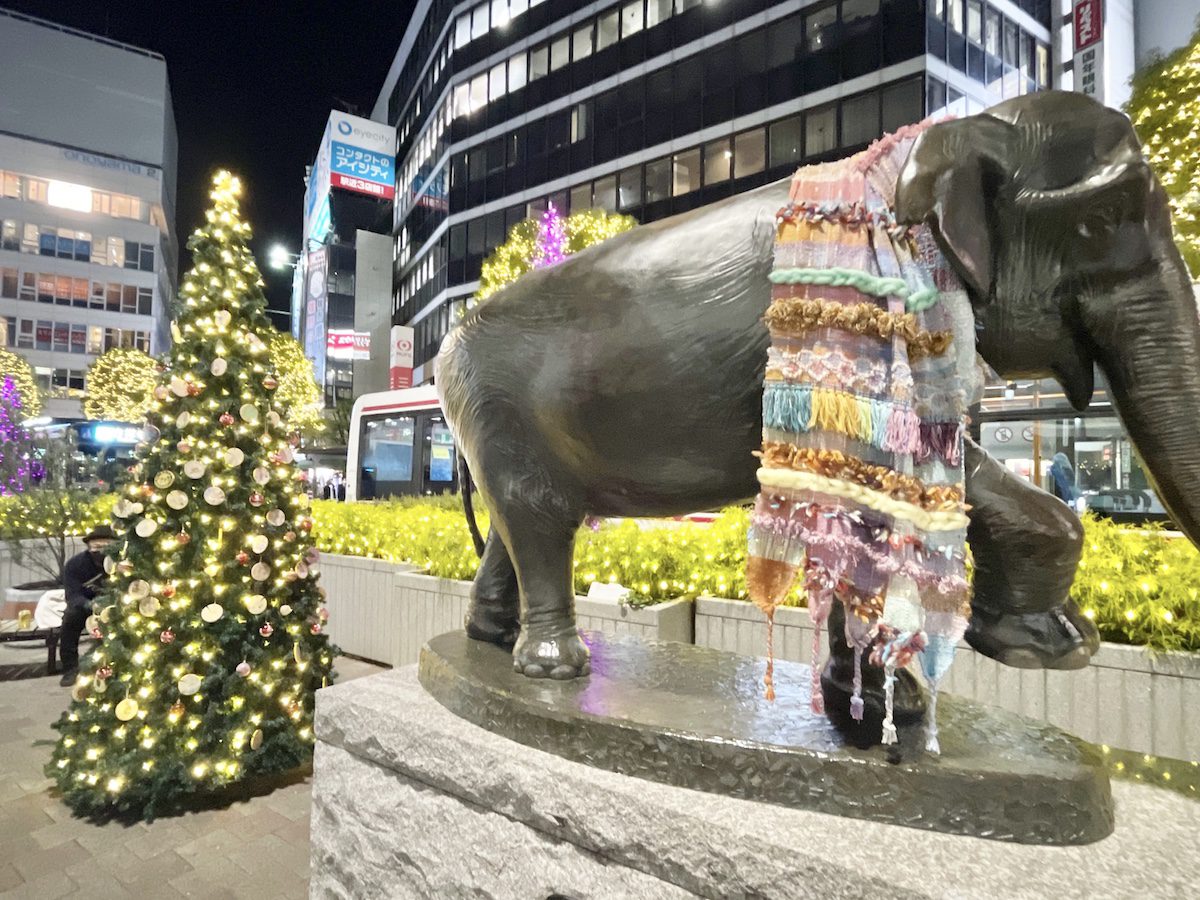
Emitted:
<point x="83" y="579"/>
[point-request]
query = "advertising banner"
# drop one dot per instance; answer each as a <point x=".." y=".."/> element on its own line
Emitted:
<point x="344" y="344"/>
<point x="401" y="358"/>
<point x="316" y="302"/>
<point x="361" y="156"/>
<point x="317" y="220"/>
<point x="1088" y="21"/>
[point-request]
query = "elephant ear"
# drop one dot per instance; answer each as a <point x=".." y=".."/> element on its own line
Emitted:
<point x="950" y="182"/>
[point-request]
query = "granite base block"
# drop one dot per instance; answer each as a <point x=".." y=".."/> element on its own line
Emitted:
<point x="411" y="801"/>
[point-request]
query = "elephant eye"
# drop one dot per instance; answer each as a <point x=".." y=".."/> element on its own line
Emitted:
<point x="1101" y="220"/>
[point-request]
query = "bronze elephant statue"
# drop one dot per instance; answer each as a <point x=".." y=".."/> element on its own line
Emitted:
<point x="627" y="380"/>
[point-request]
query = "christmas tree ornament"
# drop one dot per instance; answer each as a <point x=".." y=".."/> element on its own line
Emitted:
<point x="259" y="543"/>
<point x="193" y="389"/>
<point x="260" y="571"/>
<point x="301" y="570"/>
<point x="234" y="457"/>
<point x="289" y="536"/>
<point x="79" y="692"/>
<point x="296" y="652"/>
<point x="219" y="366"/>
<point x="183" y="447"/>
<point x="214" y="496"/>
<point x="106" y="614"/>
<point x="126" y="709"/>
<point x="270" y="383"/>
<point x="266" y="630"/>
<point x="177" y="709"/>
<point x="242" y="557"/>
<point x="167" y="590"/>
<point x="99" y="685"/>
<point x="164" y="480"/>
<point x="212" y="612"/>
<point x="166" y="636"/>
<point x="148" y="606"/>
<point x="183" y="538"/>
<point x="222" y="317"/>
<point x="91" y="622"/>
<point x="139" y="588"/>
<point x="285" y="610"/>
<point x="138" y="508"/>
<point x="104" y="673"/>
<point x="256" y="499"/>
<point x="276" y="517"/>
<point x="274" y="419"/>
<point x="179" y="387"/>
<point x="161" y="393"/>
<point x="243" y="668"/>
<point x="123" y="508"/>
<point x="145" y="527"/>
<point x="256" y="739"/>
<point x="256" y="604"/>
<point x="183" y="420"/>
<point x="316" y="628"/>
<point x="177" y="500"/>
<point x="189" y="684"/>
<point x="151" y="434"/>
<point x="226" y="419"/>
<point x="124" y="567"/>
<point x="110" y="565"/>
<point x="194" y="468"/>
<point x="261" y="475"/>
<point x="249" y="413"/>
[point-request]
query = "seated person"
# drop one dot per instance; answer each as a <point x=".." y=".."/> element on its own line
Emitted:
<point x="83" y="579"/>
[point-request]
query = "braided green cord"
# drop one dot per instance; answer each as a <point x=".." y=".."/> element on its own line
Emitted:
<point x="875" y="285"/>
<point x="919" y="301"/>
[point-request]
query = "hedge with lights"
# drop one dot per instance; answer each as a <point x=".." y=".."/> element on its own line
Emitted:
<point x="522" y="248"/>
<point x="1164" y="107"/>
<point x="211" y="625"/>
<point x="119" y="385"/>
<point x="14" y="366"/>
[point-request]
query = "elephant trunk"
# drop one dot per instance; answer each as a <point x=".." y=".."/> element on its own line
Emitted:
<point x="1146" y="337"/>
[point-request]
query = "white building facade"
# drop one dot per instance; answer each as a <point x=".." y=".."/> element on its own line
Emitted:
<point x="88" y="253"/>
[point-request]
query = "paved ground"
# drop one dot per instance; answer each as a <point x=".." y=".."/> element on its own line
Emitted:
<point x="256" y="848"/>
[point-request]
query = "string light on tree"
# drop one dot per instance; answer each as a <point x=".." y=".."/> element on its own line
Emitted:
<point x="552" y="239"/>
<point x="18" y="464"/>
<point x="120" y="384"/>
<point x="212" y="642"/>
<point x="15" y="367"/>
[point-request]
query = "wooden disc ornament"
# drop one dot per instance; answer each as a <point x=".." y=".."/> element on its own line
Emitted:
<point x="184" y="419"/>
<point x="194" y="468"/>
<point x="234" y="457"/>
<point x="260" y="571"/>
<point x="91" y="623"/>
<point x="123" y="508"/>
<point x="214" y="496"/>
<point x="276" y="517"/>
<point x="256" y="739"/>
<point x="219" y="366"/>
<point x="274" y="419"/>
<point x="127" y="709"/>
<point x="177" y="499"/>
<point x="249" y="413"/>
<point x="259" y="543"/>
<point x="164" y="480"/>
<point x="261" y="475"/>
<point x="79" y="692"/>
<point x="189" y="684"/>
<point x="179" y="387"/>
<point x="110" y="565"/>
<point x="222" y="317"/>
<point x="148" y="606"/>
<point x="212" y="612"/>
<point x="145" y="528"/>
<point x="256" y="604"/>
<point x="285" y="610"/>
<point x="106" y="613"/>
<point x="139" y="589"/>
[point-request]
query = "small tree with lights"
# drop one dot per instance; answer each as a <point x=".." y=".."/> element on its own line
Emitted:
<point x="120" y="385"/>
<point x="211" y="630"/>
<point x="1164" y="106"/>
<point x="19" y="465"/>
<point x="297" y="393"/>
<point x="14" y="366"/>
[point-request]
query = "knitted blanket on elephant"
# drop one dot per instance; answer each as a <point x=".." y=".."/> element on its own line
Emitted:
<point x="864" y="404"/>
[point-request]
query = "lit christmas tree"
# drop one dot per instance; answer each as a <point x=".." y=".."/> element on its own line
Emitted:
<point x="212" y="644"/>
<point x="551" y="240"/>
<point x="18" y="466"/>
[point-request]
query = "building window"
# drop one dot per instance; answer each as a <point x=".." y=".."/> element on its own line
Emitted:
<point x="820" y="130"/>
<point x="539" y="62"/>
<point x="9" y="236"/>
<point x="657" y="11"/>
<point x="560" y="52"/>
<point x="631" y="18"/>
<point x="685" y="172"/>
<point x="786" y="142"/>
<point x="581" y="43"/>
<point x="497" y="82"/>
<point x="8" y="283"/>
<point x="516" y="72"/>
<point x="658" y="179"/>
<point x="605" y="193"/>
<point x="629" y="187"/>
<point x="606" y="29"/>
<point x="581" y="197"/>
<point x="717" y="159"/>
<point x="750" y="152"/>
<point x="860" y="119"/>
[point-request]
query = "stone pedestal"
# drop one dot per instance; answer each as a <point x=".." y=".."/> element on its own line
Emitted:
<point x="409" y="800"/>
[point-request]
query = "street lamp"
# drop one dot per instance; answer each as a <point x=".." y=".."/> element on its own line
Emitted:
<point x="279" y="257"/>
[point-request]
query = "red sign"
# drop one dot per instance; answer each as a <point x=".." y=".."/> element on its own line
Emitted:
<point x="350" y="183"/>
<point x="400" y="371"/>
<point x="1089" y="23"/>
<point x="342" y="344"/>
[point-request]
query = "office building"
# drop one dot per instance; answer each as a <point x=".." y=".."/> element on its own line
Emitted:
<point x="88" y="252"/>
<point x="341" y="295"/>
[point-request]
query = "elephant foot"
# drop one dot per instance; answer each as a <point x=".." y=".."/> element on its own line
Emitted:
<point x="1061" y="638"/>
<point x="556" y="653"/>
<point x="837" y="684"/>
<point x="493" y="621"/>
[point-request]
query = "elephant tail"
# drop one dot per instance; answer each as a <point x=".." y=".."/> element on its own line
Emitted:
<point x="464" y="487"/>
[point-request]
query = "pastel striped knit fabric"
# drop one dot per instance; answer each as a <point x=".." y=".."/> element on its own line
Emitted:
<point x="861" y="479"/>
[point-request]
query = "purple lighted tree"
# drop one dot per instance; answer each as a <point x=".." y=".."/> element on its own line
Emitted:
<point x="551" y="240"/>
<point x="17" y="463"/>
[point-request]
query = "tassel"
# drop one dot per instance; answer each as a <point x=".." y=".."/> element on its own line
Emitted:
<point x="769" y="678"/>
<point x="903" y="431"/>
<point x="880" y="411"/>
<point x="931" y="729"/>
<point x="889" y="692"/>
<point x="864" y="418"/>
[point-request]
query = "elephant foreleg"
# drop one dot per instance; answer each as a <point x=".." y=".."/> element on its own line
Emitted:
<point x="1026" y="545"/>
<point x="493" y="614"/>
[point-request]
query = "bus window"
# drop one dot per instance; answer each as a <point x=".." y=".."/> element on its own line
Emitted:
<point x="439" y="463"/>
<point x="387" y="458"/>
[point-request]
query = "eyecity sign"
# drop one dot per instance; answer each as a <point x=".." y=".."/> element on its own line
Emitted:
<point x="356" y="155"/>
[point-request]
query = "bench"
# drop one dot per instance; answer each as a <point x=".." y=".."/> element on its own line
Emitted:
<point x="9" y="632"/>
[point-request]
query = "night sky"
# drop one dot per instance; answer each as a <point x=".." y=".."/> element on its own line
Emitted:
<point x="253" y="83"/>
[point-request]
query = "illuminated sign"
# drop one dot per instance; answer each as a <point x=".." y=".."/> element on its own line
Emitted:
<point x="316" y="302"/>
<point x="343" y="344"/>
<point x="113" y="433"/>
<point x="1088" y="64"/>
<point x="400" y="358"/>
<point x="65" y="195"/>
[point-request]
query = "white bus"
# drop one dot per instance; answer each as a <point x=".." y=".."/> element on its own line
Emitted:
<point x="399" y="445"/>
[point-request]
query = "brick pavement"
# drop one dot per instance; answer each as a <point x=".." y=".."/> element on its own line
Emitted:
<point x="255" y="847"/>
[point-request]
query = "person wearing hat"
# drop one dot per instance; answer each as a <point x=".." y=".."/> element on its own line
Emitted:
<point x="83" y="579"/>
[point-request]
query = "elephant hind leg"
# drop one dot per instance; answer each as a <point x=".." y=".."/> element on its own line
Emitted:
<point x="494" y="611"/>
<point x="1026" y="546"/>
